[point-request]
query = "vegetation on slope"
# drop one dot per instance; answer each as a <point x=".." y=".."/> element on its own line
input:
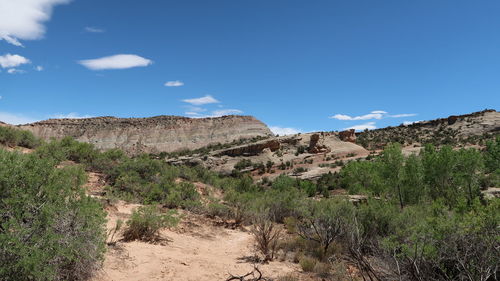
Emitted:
<point x="425" y="218"/>
<point x="49" y="229"/>
<point x="12" y="137"/>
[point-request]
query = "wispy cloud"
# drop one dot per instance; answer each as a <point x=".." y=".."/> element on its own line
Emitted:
<point x="176" y="83"/>
<point x="15" y="119"/>
<point x="284" y="131"/>
<point x="406" y="123"/>
<point x="195" y="108"/>
<point x="71" y="115"/>
<point x="361" y="127"/>
<point x="39" y="68"/>
<point x="223" y="112"/>
<point x="94" y="29"/>
<point x="372" y="115"/>
<point x="15" y="71"/>
<point x="121" y="61"/>
<point x="376" y="114"/>
<point x="24" y="20"/>
<point x="402" y="115"/>
<point x="208" y="99"/>
<point x="215" y="113"/>
<point x="8" y="61"/>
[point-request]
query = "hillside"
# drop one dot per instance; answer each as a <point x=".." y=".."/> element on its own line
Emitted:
<point x="465" y="129"/>
<point x="269" y="205"/>
<point x="151" y="135"/>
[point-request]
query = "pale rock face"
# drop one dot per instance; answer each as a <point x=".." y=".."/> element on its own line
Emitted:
<point x="151" y="135"/>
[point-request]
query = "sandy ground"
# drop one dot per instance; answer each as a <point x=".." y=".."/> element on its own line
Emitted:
<point x="196" y="250"/>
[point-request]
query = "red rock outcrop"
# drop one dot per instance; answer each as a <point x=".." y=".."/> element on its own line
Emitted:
<point x="251" y="149"/>
<point x="348" y="135"/>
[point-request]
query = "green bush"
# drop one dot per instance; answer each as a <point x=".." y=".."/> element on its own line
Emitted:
<point x="322" y="269"/>
<point x="49" y="229"/>
<point x="146" y="222"/>
<point x="14" y="137"/>
<point x="307" y="263"/>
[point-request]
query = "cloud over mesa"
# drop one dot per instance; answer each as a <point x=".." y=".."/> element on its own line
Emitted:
<point x="121" y="61"/>
<point x="376" y="114"/>
<point x="362" y="127"/>
<point x="208" y="99"/>
<point x="284" y="131"/>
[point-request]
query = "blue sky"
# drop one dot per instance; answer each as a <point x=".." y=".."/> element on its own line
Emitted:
<point x="302" y="65"/>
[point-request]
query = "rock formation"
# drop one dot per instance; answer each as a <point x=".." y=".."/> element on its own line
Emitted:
<point x="348" y="135"/>
<point x="251" y="149"/>
<point x="151" y="135"/>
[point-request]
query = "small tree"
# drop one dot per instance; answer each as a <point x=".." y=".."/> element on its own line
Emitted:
<point x="325" y="221"/>
<point x="266" y="234"/>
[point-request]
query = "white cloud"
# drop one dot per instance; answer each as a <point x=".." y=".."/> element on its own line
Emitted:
<point x="15" y="119"/>
<point x="71" y="115"/>
<point x="222" y="112"/>
<point x="176" y="83"/>
<point x="208" y="99"/>
<point x="15" y="71"/>
<point x="372" y="115"/>
<point x="195" y="108"/>
<point x="39" y="68"/>
<point x="94" y="29"/>
<point x="402" y="115"/>
<point x="376" y="114"/>
<point x="24" y="19"/>
<point x="361" y="127"/>
<point x="406" y="123"/>
<point x="215" y="113"/>
<point x="121" y="61"/>
<point x="284" y="131"/>
<point x="8" y="60"/>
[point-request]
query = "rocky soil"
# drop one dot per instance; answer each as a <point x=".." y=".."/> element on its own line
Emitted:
<point x="197" y="249"/>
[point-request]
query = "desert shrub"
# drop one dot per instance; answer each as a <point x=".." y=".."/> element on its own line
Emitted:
<point x="16" y="137"/>
<point x="307" y="263"/>
<point x="266" y="234"/>
<point x="322" y="269"/>
<point x="215" y="209"/>
<point x="111" y="235"/>
<point x="146" y="222"/>
<point x="299" y="170"/>
<point x="290" y="224"/>
<point x="182" y="195"/>
<point x="49" y="229"/>
<point x="492" y="155"/>
<point x="243" y="164"/>
<point x="325" y="221"/>
<point x="280" y="203"/>
<point x="288" y="277"/>
<point x="449" y="245"/>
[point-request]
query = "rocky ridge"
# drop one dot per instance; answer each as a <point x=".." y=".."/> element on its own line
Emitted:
<point x="151" y="135"/>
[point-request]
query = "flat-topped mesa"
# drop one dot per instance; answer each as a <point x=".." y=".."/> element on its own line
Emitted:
<point x="151" y="135"/>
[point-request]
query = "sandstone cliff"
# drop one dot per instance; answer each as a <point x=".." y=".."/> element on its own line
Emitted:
<point x="151" y="135"/>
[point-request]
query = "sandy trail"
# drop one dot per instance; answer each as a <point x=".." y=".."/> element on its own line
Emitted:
<point x="198" y="250"/>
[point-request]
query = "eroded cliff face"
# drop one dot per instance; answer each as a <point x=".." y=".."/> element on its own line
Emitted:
<point x="151" y="135"/>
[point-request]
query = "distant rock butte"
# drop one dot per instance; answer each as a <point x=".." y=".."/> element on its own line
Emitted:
<point x="151" y="135"/>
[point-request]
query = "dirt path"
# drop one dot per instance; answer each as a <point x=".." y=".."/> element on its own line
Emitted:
<point x="198" y="250"/>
